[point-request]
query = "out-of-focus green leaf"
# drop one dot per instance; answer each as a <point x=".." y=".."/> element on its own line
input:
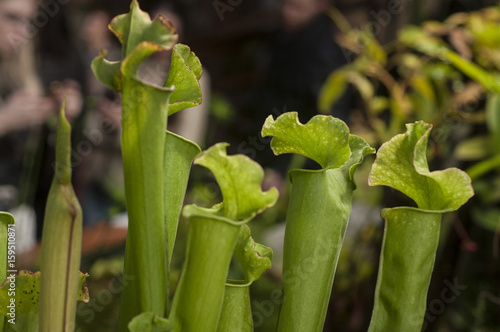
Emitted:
<point x="484" y="167"/>
<point x="485" y="31"/>
<point x="379" y="104"/>
<point x="376" y="51"/>
<point x="334" y="87"/>
<point x="436" y="28"/>
<point x="493" y="120"/>
<point x="439" y="71"/>
<point x="457" y="19"/>
<point x="415" y="37"/>
<point x="339" y="19"/>
<point x="487" y="218"/>
<point x="362" y="84"/>
<point x="474" y="148"/>
<point x="401" y="163"/>
<point x="424" y="87"/>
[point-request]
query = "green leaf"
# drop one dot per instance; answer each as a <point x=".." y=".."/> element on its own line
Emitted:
<point x="323" y="139"/>
<point x="239" y="179"/>
<point x="331" y="91"/>
<point x="136" y="27"/>
<point x="401" y="163"/>
<point x="374" y="49"/>
<point x="61" y="242"/>
<point x="184" y="74"/>
<point x="359" y="150"/>
<point x="415" y="37"/>
<point x="178" y="157"/>
<point x="140" y="38"/>
<point x="474" y="148"/>
<point x="26" y="299"/>
<point x="149" y="322"/>
<point x="483" y="167"/>
<point x="487" y="218"/>
<point x="493" y="120"/>
<point x="254" y="258"/>
<point x="362" y="84"/>
<point x="107" y="72"/>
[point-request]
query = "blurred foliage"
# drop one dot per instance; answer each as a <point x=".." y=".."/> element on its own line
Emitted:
<point x="447" y="74"/>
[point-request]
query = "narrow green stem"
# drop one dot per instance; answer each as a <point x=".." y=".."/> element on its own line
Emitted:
<point x="484" y="167"/>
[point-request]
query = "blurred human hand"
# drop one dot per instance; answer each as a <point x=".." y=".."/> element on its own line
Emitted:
<point x="24" y="109"/>
<point x="70" y="91"/>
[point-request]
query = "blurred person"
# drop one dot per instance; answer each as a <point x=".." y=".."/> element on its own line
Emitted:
<point x="22" y="103"/>
<point x="102" y="176"/>
<point x="299" y="58"/>
<point x="24" y="108"/>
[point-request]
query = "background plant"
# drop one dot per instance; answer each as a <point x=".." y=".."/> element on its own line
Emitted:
<point x="446" y="74"/>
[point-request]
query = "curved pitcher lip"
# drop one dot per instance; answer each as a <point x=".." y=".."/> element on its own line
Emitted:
<point x="386" y="211"/>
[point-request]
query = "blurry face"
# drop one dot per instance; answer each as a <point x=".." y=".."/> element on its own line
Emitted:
<point x="297" y="13"/>
<point x="94" y="31"/>
<point x="15" y="18"/>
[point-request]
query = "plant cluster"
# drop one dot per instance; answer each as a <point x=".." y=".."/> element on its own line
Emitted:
<point x="157" y="164"/>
